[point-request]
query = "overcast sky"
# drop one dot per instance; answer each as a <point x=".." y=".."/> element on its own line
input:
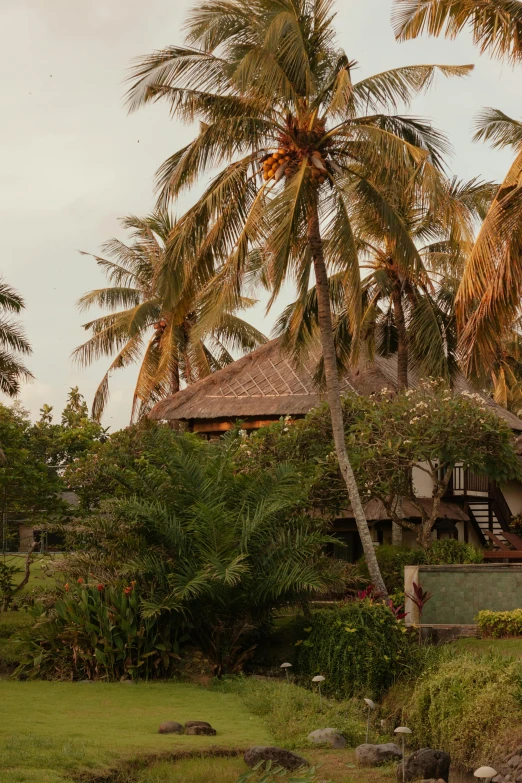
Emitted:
<point x="72" y="161"/>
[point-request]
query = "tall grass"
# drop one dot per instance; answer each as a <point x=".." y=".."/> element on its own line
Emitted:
<point x="468" y="705"/>
<point x="291" y="712"/>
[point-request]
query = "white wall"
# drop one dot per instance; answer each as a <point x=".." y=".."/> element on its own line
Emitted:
<point x="513" y="494"/>
<point x="422" y="483"/>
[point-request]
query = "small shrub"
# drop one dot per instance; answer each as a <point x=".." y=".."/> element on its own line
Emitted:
<point x="451" y="552"/>
<point x="359" y="647"/>
<point x="500" y="625"/>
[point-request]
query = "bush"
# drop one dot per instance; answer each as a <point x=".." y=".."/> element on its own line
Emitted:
<point x="465" y="705"/>
<point x="291" y="711"/>
<point x="451" y="552"/>
<point x="359" y="647"/>
<point x="500" y="625"/>
<point x="97" y="632"/>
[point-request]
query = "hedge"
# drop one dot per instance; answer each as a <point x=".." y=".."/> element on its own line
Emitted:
<point x="500" y="625"/>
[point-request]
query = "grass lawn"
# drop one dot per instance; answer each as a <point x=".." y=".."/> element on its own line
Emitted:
<point x="511" y="648"/>
<point x="51" y="729"/>
<point x="39" y="573"/>
<point x="337" y="766"/>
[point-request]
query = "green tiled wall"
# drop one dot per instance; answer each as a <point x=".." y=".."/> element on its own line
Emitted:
<point x="460" y="592"/>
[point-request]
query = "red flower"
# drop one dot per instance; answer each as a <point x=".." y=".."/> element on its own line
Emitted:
<point x="100" y="588"/>
<point x="128" y="590"/>
<point x="80" y="581"/>
<point x="67" y="587"/>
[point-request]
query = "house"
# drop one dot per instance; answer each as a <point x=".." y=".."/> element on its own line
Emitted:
<point x="265" y="385"/>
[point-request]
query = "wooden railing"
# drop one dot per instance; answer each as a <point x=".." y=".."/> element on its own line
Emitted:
<point x="464" y="482"/>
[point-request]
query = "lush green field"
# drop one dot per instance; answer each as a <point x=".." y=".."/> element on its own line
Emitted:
<point x="50" y="729"/>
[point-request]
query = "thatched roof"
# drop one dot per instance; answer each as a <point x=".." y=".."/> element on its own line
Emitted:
<point x="375" y="511"/>
<point x="266" y="384"/>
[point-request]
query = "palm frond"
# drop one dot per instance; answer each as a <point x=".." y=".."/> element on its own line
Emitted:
<point x="496" y="25"/>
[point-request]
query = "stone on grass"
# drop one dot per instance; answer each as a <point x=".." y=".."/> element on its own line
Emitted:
<point x="426" y="764"/>
<point x="170" y="727"/>
<point x="201" y="731"/>
<point x="284" y="758"/>
<point x="331" y="737"/>
<point x="374" y="755"/>
<point x="190" y="723"/>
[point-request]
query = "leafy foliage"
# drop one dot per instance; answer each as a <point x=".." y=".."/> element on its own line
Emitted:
<point x="359" y="647"/>
<point x="429" y="428"/>
<point x="217" y="550"/>
<point x="97" y="632"/>
<point x="500" y="625"/>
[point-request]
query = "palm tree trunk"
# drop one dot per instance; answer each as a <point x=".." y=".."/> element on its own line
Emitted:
<point x="334" y="394"/>
<point x="402" y="337"/>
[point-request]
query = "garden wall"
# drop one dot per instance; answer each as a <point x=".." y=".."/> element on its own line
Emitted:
<point x="461" y="591"/>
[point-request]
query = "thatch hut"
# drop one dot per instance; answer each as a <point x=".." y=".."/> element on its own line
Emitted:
<point x="265" y="385"/>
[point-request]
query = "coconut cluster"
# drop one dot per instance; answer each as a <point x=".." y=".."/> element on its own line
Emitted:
<point x="275" y="162"/>
<point x="160" y="328"/>
<point x="285" y="162"/>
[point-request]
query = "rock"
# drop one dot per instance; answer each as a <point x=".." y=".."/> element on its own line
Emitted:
<point x="514" y="761"/>
<point x="331" y="737"/>
<point x="426" y="764"/>
<point x="170" y="727"/>
<point x="375" y="755"/>
<point x="202" y="731"/>
<point x="190" y="723"/>
<point x="284" y="758"/>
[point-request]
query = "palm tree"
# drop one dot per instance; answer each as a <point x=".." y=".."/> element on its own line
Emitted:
<point x="488" y="300"/>
<point x="141" y="327"/>
<point x="12" y="342"/>
<point x="296" y="140"/>
<point x="408" y="311"/>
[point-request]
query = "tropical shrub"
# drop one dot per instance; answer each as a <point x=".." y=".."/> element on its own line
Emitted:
<point x="213" y="551"/>
<point x="466" y="705"/>
<point x="500" y="625"/>
<point x="451" y="552"/>
<point x="98" y="632"/>
<point x="360" y="647"/>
